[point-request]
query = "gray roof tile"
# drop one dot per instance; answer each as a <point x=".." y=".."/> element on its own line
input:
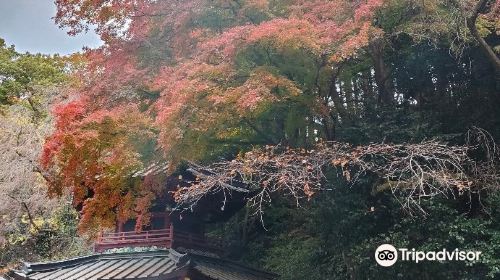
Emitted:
<point x="155" y="265"/>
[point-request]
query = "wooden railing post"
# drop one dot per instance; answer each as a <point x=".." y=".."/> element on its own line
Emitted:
<point x="97" y="242"/>
<point x="171" y="233"/>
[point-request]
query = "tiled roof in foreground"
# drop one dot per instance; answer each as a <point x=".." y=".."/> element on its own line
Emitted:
<point x="157" y="265"/>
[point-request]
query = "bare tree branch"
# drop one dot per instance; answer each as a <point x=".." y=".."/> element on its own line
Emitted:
<point x="411" y="171"/>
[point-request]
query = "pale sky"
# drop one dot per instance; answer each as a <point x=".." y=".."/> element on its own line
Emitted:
<point x="28" y="25"/>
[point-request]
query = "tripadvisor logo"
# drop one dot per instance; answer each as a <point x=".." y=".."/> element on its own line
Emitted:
<point x="387" y="255"/>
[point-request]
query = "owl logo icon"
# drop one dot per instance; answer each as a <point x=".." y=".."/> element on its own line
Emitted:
<point x="386" y="255"/>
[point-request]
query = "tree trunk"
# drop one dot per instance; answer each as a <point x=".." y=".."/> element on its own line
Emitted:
<point x="339" y="110"/>
<point x="382" y="73"/>
<point x="481" y="6"/>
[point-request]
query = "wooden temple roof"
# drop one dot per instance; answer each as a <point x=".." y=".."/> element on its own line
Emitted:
<point x="154" y="265"/>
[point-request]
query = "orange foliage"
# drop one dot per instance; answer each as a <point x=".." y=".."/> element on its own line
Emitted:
<point x="165" y="48"/>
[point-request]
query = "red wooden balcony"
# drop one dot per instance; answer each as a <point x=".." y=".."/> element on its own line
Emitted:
<point x="163" y="238"/>
<point x="111" y="240"/>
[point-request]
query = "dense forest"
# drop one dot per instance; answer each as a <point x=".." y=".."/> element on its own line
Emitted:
<point x="353" y="123"/>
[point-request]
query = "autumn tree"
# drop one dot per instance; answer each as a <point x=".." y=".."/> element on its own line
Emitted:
<point x="193" y="80"/>
<point x="200" y="80"/>
<point x="392" y="86"/>
<point x="33" y="226"/>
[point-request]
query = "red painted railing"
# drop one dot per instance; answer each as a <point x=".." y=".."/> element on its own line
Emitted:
<point x="111" y="240"/>
<point x="163" y="238"/>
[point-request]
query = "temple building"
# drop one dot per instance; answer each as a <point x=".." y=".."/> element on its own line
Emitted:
<point x="172" y="246"/>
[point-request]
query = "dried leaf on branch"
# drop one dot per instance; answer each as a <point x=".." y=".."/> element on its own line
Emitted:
<point x="410" y="171"/>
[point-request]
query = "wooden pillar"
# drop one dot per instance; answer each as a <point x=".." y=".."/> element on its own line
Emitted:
<point x="167" y="220"/>
<point x="171" y="228"/>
